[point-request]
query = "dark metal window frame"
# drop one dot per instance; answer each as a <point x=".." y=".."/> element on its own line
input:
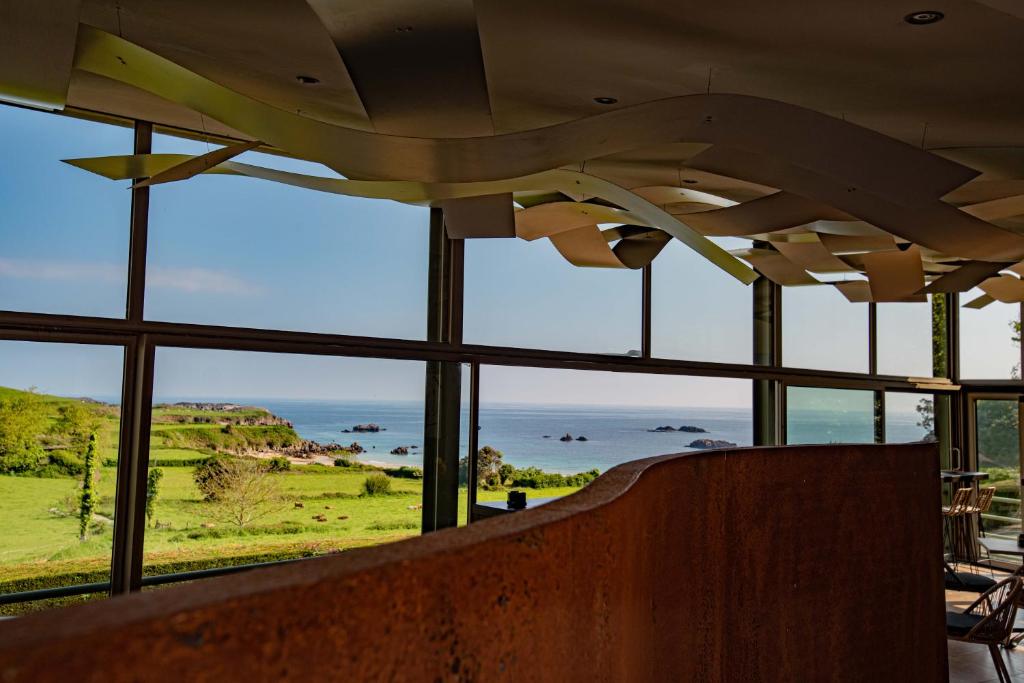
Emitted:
<point x="443" y="351"/>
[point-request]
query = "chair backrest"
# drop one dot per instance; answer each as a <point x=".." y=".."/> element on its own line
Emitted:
<point x="999" y="607"/>
<point x="985" y="498"/>
<point x="961" y="501"/>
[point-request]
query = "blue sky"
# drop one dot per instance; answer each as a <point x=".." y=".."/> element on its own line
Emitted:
<point x="239" y="251"/>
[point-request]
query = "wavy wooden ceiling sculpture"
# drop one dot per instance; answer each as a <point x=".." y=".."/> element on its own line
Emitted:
<point x="823" y="198"/>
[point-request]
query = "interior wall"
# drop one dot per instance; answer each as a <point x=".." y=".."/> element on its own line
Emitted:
<point x="719" y="566"/>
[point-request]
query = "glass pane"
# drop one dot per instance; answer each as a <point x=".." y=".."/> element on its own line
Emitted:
<point x="57" y="491"/>
<point x="822" y="330"/>
<point x="524" y="294"/>
<point x="699" y="312"/>
<point x="276" y="256"/>
<point x="549" y="432"/>
<point x="909" y="417"/>
<point x="988" y="341"/>
<point x="64" y="230"/>
<point x="905" y="339"/>
<point x="816" y="415"/>
<point x="998" y="445"/>
<point x="331" y="446"/>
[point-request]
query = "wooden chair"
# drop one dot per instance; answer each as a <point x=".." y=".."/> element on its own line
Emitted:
<point x="982" y="506"/>
<point x="989" y="621"/>
<point x="953" y="517"/>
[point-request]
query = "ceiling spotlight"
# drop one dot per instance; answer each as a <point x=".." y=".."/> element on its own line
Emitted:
<point x="307" y="80"/>
<point x="403" y="29"/>
<point x="923" y="17"/>
<point x="605" y="100"/>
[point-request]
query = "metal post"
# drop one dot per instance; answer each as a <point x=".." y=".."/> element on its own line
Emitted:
<point x="879" y="402"/>
<point x="645" y="312"/>
<point x="443" y="380"/>
<point x="474" y="438"/>
<point x="132" y="467"/>
<point x="139" y="231"/>
<point x="767" y="351"/>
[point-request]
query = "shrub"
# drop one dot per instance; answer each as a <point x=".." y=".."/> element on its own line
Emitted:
<point x="66" y="462"/>
<point x="392" y="526"/>
<point x="377" y="484"/>
<point x="279" y="464"/>
<point x="405" y="472"/>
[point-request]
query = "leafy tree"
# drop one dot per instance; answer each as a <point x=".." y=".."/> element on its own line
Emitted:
<point x="75" y="422"/>
<point x="22" y="421"/>
<point x="488" y="467"/>
<point x="208" y="475"/>
<point x="89" y="496"/>
<point x="246" y="490"/>
<point x="926" y="418"/>
<point x="152" y="491"/>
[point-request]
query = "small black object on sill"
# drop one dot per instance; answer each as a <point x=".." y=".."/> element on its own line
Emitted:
<point x="1020" y="540"/>
<point x="516" y="500"/>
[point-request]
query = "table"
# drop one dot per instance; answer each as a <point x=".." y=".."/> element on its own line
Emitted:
<point x="1001" y="546"/>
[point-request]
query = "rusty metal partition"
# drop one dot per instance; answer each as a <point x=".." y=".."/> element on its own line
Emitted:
<point x="799" y="563"/>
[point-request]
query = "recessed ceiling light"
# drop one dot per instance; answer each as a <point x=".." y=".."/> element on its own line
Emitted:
<point x="403" y="29"/>
<point x="605" y="100"/>
<point x="923" y="17"/>
<point x="307" y="80"/>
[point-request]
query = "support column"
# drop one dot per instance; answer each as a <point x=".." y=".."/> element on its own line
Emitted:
<point x="136" y="402"/>
<point x="944" y="356"/>
<point x="645" y="312"/>
<point x="879" y="402"/>
<point x="767" y="311"/>
<point x="443" y="380"/>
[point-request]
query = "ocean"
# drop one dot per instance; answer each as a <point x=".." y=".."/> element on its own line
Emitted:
<point x="614" y="434"/>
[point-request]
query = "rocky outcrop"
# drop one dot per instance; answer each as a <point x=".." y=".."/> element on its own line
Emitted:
<point x="689" y="429"/>
<point x="711" y="443"/>
<point x="371" y="428"/>
<point x="582" y="438"/>
<point x="400" y="450"/>
<point x="567" y="437"/>
<point x="311" y="449"/>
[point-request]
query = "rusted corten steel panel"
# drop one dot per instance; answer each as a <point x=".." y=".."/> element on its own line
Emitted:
<point x="773" y="564"/>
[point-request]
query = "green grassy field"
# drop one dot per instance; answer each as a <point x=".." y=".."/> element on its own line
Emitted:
<point x="320" y="509"/>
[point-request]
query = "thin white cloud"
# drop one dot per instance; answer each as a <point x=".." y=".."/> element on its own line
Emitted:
<point x="190" y="280"/>
<point x="200" y="280"/>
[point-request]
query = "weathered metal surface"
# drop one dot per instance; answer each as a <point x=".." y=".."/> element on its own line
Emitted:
<point x="801" y="563"/>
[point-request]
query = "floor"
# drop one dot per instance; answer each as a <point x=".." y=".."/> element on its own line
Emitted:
<point x="972" y="663"/>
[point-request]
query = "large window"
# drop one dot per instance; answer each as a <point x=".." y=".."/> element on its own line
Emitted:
<point x="698" y="311"/>
<point x="988" y="349"/>
<point x="905" y="339"/>
<point x="548" y="432"/>
<point x="997" y="449"/>
<point x="271" y="456"/>
<point x="909" y="417"/>
<point x="822" y="330"/>
<point x="228" y="250"/>
<point x="525" y="294"/>
<point x="824" y="416"/>
<point x="59" y="425"/>
<point x="64" y="231"/>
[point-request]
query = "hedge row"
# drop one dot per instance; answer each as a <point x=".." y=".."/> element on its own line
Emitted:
<point x="171" y="567"/>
